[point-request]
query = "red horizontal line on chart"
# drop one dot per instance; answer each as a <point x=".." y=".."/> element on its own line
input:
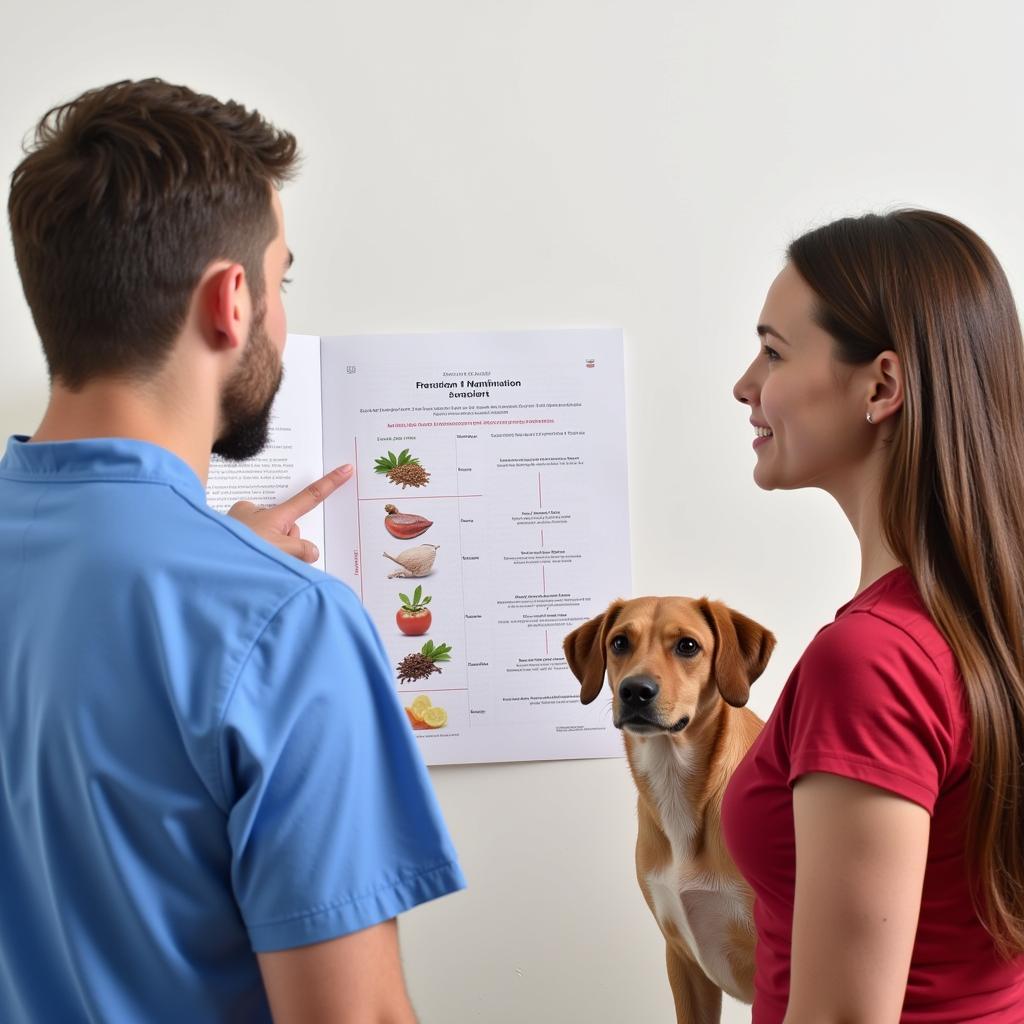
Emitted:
<point x="420" y="497"/>
<point x="447" y="689"/>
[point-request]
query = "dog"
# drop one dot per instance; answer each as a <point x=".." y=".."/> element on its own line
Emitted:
<point x="680" y="671"/>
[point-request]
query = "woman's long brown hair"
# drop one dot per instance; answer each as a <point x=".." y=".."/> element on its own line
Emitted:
<point x="923" y="285"/>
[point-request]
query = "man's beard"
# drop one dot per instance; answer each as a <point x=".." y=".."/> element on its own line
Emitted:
<point x="249" y="397"/>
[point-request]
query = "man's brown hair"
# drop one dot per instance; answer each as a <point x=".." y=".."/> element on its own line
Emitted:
<point x="125" y="196"/>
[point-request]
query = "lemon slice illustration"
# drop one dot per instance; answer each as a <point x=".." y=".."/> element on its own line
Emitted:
<point x="435" y="717"/>
<point x="419" y="705"/>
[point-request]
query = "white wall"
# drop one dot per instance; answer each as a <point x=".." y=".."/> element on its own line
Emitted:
<point x="634" y="163"/>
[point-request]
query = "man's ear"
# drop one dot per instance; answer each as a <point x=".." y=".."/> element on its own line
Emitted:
<point x="742" y="650"/>
<point x="584" y="651"/>
<point x="227" y="305"/>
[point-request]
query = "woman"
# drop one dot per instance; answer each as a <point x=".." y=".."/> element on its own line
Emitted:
<point x="878" y="817"/>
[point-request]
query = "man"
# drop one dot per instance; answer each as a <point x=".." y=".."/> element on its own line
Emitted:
<point x="211" y="805"/>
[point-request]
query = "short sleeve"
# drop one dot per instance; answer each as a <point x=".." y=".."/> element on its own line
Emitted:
<point x="332" y="822"/>
<point x="871" y="705"/>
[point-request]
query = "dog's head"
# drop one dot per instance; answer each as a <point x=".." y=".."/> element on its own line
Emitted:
<point x="664" y="657"/>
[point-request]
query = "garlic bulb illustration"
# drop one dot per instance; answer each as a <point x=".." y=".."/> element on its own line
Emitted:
<point x="417" y="561"/>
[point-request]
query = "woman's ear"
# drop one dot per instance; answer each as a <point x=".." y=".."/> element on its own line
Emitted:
<point x="886" y="396"/>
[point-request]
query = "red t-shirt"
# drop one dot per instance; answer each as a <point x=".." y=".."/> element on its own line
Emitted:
<point x="877" y="697"/>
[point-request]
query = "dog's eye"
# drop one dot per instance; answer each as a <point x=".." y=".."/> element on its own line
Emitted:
<point x="620" y="644"/>
<point x="687" y="647"/>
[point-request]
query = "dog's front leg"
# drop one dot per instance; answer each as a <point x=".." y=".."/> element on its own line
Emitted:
<point x="698" y="1000"/>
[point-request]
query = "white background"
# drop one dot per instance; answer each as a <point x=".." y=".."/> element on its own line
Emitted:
<point x="488" y="164"/>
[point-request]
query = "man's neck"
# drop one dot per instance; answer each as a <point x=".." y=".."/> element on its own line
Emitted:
<point x="142" y="412"/>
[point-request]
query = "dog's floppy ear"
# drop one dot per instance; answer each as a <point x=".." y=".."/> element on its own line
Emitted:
<point x="742" y="649"/>
<point x="584" y="651"/>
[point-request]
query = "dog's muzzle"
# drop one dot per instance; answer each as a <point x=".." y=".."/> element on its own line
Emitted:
<point x="637" y="711"/>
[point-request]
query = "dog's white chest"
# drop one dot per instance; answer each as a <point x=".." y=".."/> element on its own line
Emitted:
<point x="703" y="913"/>
<point x="702" y="909"/>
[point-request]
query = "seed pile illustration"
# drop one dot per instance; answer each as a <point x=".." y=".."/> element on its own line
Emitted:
<point x="423" y="663"/>
<point x="402" y="469"/>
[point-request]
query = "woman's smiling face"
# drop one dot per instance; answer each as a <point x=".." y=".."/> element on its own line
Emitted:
<point x="812" y="407"/>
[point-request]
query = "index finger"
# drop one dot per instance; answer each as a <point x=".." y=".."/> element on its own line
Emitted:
<point x="309" y="497"/>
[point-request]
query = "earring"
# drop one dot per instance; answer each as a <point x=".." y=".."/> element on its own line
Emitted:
<point x="870" y="420"/>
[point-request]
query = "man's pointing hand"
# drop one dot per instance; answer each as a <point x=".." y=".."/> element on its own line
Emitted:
<point x="278" y="524"/>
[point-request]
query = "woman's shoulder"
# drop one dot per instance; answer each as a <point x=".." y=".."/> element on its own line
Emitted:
<point x="889" y="615"/>
<point x="879" y="685"/>
<point x="884" y="647"/>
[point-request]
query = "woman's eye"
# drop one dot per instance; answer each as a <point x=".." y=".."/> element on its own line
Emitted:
<point x="770" y="353"/>
<point x="620" y="644"/>
<point x="285" y="281"/>
<point x="687" y="647"/>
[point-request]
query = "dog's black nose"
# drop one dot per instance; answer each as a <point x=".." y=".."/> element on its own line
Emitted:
<point x="637" y="691"/>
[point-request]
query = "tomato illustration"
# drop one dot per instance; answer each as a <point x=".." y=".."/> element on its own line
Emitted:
<point x="413" y="623"/>
<point x="414" y="616"/>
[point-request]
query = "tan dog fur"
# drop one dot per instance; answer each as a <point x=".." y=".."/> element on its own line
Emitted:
<point x="701" y="903"/>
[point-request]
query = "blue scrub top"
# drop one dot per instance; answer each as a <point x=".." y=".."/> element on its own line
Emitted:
<point x="202" y="753"/>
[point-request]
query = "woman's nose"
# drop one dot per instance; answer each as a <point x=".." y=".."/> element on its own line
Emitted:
<point x="746" y="389"/>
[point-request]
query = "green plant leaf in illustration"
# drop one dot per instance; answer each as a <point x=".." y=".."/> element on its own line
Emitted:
<point x="385" y="464"/>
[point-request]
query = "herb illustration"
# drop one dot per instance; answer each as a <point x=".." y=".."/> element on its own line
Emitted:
<point x="402" y="469"/>
<point x="423" y="663"/>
